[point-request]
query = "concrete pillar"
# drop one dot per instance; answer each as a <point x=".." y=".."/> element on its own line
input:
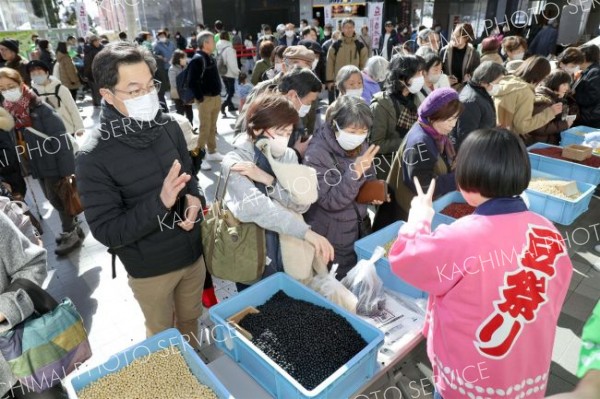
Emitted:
<point x="132" y="26"/>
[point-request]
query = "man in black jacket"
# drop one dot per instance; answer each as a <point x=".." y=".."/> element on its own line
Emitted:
<point x="388" y="41"/>
<point x="89" y="53"/>
<point x="206" y="84"/>
<point x="139" y="195"/>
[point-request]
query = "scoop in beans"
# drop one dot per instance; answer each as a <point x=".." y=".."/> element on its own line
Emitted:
<point x="163" y="374"/>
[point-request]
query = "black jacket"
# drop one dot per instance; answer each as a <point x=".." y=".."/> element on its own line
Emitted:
<point x="120" y="180"/>
<point x="52" y="156"/>
<point x="204" y="76"/>
<point x="391" y="43"/>
<point x="89" y="53"/>
<point x="587" y="95"/>
<point x="479" y="112"/>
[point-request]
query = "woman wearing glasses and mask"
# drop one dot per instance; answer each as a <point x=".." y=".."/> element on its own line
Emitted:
<point x="43" y="137"/>
<point x="266" y="185"/>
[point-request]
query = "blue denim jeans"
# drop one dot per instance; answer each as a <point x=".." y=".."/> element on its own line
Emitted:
<point x="436" y="395"/>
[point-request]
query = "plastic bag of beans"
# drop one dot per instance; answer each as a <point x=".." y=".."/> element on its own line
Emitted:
<point x="327" y="285"/>
<point x="364" y="282"/>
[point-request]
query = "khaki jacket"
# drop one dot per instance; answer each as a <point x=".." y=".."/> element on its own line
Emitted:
<point x="514" y="107"/>
<point x="346" y="55"/>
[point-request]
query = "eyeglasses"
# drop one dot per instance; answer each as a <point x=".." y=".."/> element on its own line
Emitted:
<point x="154" y="86"/>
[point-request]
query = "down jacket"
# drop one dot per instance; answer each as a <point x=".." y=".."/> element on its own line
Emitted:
<point x="479" y="112"/>
<point x="587" y="95"/>
<point x="334" y="215"/>
<point x="120" y="173"/>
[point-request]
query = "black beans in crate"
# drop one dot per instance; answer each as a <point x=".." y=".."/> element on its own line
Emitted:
<point x="308" y="341"/>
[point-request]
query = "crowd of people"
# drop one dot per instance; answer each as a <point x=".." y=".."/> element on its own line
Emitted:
<point x="427" y="118"/>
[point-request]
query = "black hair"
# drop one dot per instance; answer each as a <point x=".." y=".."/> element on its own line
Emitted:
<point x="105" y="67"/>
<point x="301" y="80"/>
<point x="123" y="35"/>
<point x="494" y="163"/>
<point x="177" y="56"/>
<point x="591" y="52"/>
<point x="555" y="79"/>
<point x="62" y="47"/>
<point x="44" y="44"/>
<point x="431" y="59"/>
<point x="400" y="70"/>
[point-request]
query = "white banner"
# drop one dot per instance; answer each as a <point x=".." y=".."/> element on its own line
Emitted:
<point x="82" y="19"/>
<point x="375" y="22"/>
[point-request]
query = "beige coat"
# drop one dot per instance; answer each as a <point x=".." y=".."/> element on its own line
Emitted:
<point x="66" y="71"/>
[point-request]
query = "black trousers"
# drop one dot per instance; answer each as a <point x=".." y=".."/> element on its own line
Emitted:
<point x="230" y="89"/>
<point x="184" y="109"/>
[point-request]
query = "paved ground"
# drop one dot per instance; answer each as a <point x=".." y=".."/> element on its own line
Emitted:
<point x="115" y="322"/>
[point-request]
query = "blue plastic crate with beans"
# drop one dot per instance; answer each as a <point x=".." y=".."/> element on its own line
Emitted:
<point x="161" y="341"/>
<point x="442" y="202"/>
<point x="575" y="135"/>
<point x="342" y="384"/>
<point x="564" y="169"/>
<point x="365" y="247"/>
<point x="559" y="210"/>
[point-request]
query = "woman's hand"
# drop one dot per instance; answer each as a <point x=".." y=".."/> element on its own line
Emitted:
<point x="322" y="246"/>
<point x="421" y="206"/>
<point x="2" y="318"/>
<point x="557" y="108"/>
<point x="453" y="80"/>
<point x="253" y="172"/>
<point x="363" y="163"/>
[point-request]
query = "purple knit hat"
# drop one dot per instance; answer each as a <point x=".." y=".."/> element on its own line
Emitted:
<point x="436" y="100"/>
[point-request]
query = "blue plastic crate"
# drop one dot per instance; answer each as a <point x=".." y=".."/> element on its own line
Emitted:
<point x="575" y="135"/>
<point x="557" y="209"/>
<point x="564" y="169"/>
<point x="364" y="249"/>
<point x="163" y="340"/>
<point x="442" y="202"/>
<point x="341" y="384"/>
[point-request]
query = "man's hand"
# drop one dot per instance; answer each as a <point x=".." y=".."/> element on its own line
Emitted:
<point x="192" y="209"/>
<point x="301" y="146"/>
<point x="173" y="184"/>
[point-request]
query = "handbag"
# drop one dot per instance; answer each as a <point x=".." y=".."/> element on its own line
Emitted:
<point x="233" y="250"/>
<point x="372" y="190"/>
<point x="66" y="189"/>
<point x="48" y="345"/>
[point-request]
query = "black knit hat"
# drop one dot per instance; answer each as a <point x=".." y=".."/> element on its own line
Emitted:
<point x="11" y="44"/>
<point x="37" y="64"/>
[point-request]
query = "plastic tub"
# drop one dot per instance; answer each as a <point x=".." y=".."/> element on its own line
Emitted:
<point x="556" y="209"/>
<point x="341" y="384"/>
<point x="575" y="135"/>
<point x="445" y="200"/>
<point x="364" y="250"/>
<point x="565" y="169"/>
<point x="163" y="340"/>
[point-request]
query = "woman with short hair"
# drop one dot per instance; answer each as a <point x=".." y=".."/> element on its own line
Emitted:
<point x="570" y="60"/>
<point x="343" y="161"/>
<point x="435" y="78"/>
<point x="265" y="50"/>
<point x="256" y="190"/>
<point x="552" y="90"/>
<point x="373" y="76"/>
<point x="477" y="99"/>
<point x="349" y="81"/>
<point x="394" y="109"/>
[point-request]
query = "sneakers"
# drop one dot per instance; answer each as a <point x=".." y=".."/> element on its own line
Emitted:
<point x="80" y="233"/>
<point x="214" y="157"/>
<point x="205" y="166"/>
<point x="68" y="243"/>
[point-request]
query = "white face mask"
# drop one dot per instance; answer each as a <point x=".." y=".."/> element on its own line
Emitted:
<point x="349" y="141"/>
<point x="518" y="56"/>
<point x="434" y="78"/>
<point x="12" y="95"/>
<point x="494" y="90"/>
<point x="163" y="39"/>
<point x="417" y="84"/>
<point x="39" y="79"/>
<point x="278" y="66"/>
<point x="143" y="108"/>
<point x="289" y="33"/>
<point x="314" y="63"/>
<point x="304" y="109"/>
<point x="234" y="32"/>
<point x="354" y="92"/>
<point x="572" y="70"/>
<point x="278" y="145"/>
